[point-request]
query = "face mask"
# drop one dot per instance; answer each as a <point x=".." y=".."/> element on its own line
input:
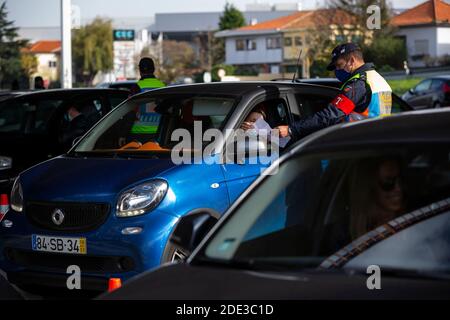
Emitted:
<point x="342" y="75"/>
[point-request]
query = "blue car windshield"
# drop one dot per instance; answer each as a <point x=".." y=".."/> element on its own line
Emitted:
<point x="382" y="206"/>
<point x="146" y="124"/>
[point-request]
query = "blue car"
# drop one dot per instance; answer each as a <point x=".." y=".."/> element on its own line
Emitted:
<point x="110" y="204"/>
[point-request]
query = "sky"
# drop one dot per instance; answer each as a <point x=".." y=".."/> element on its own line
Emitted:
<point x="45" y="13"/>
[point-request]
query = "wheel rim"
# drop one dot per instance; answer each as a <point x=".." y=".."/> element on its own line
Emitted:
<point x="178" y="256"/>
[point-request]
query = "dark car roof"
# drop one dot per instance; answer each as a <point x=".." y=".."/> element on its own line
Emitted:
<point x="443" y="77"/>
<point x="38" y="93"/>
<point x="227" y="88"/>
<point x="429" y="126"/>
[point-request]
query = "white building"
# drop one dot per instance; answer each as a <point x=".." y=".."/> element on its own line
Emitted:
<point x="426" y="30"/>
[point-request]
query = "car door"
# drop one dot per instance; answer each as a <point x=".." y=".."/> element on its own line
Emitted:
<point x="93" y="106"/>
<point x="243" y="171"/>
<point x="420" y="95"/>
<point x="436" y="93"/>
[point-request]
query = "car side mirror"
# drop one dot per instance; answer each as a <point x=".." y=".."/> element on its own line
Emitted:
<point x="188" y="233"/>
<point x="242" y="149"/>
<point x="411" y="91"/>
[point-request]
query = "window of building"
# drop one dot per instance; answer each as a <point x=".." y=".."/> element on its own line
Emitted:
<point x="251" y="44"/>
<point x="273" y="43"/>
<point x="52" y="64"/>
<point x="288" y="42"/>
<point x="298" y="41"/>
<point x="240" y="45"/>
<point x="245" y="44"/>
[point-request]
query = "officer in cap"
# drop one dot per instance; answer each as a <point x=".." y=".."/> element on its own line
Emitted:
<point x="364" y="94"/>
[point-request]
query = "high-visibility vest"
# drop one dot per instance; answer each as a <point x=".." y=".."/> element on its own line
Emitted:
<point x="148" y="84"/>
<point x="381" y="100"/>
<point x="148" y="121"/>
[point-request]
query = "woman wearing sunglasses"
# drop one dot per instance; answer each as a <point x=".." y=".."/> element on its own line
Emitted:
<point x="376" y="194"/>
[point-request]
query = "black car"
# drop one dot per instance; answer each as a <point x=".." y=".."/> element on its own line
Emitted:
<point x="32" y="124"/>
<point x="356" y="211"/>
<point x="430" y="93"/>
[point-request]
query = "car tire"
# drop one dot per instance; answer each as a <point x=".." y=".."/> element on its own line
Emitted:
<point x="174" y="254"/>
<point x="437" y="105"/>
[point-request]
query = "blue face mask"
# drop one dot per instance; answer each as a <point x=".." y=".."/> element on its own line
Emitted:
<point x="342" y="75"/>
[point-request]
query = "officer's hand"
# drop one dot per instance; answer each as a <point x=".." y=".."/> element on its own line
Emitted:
<point x="247" y="126"/>
<point x="283" y="131"/>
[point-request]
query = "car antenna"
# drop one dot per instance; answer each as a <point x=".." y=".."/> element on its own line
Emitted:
<point x="297" y="66"/>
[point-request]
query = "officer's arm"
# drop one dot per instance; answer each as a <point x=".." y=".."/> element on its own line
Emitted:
<point x="336" y="111"/>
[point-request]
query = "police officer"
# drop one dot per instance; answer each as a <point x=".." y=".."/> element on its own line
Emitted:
<point x="148" y="80"/>
<point x="364" y="94"/>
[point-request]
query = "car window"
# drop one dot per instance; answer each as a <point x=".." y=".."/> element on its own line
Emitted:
<point x="317" y="205"/>
<point x="423" y="86"/>
<point x="425" y="245"/>
<point x="116" y="99"/>
<point x="436" y="84"/>
<point x="44" y="111"/>
<point x="398" y="105"/>
<point x="13" y="116"/>
<point x="147" y="124"/>
<point x="311" y="103"/>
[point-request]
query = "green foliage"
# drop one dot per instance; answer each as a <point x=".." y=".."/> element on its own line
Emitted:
<point x="386" y="51"/>
<point x="400" y="86"/>
<point x="10" y="48"/>
<point x="92" y="47"/>
<point x="232" y="18"/>
<point x="229" y="70"/>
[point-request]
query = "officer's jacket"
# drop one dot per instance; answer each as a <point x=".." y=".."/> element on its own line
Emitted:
<point x="364" y="95"/>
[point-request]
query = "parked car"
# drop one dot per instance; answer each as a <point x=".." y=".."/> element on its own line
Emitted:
<point x="113" y="200"/>
<point x="32" y="123"/>
<point x="430" y="93"/>
<point x="344" y="208"/>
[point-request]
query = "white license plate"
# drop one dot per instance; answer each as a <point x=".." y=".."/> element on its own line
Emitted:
<point x="59" y="244"/>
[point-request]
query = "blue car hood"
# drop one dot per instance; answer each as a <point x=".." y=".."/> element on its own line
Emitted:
<point x="78" y="179"/>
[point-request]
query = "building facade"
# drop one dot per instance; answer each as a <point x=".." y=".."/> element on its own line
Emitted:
<point x="426" y="31"/>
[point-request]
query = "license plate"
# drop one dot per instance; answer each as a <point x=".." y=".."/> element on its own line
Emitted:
<point x="59" y="244"/>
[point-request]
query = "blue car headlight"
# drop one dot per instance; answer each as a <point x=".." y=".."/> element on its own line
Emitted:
<point x="17" y="196"/>
<point x="141" y="199"/>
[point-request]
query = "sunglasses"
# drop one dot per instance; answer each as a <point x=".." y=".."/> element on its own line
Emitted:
<point x="390" y="183"/>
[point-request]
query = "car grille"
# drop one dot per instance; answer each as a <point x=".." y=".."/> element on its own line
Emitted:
<point x="78" y="217"/>
<point x="60" y="262"/>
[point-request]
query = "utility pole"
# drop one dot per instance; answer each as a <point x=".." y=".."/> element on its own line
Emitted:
<point x="66" y="37"/>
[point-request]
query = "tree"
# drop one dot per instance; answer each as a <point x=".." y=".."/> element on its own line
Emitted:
<point x="28" y="63"/>
<point x="10" y="47"/>
<point x="93" y="50"/>
<point x="380" y="45"/>
<point x="178" y="60"/>
<point x="358" y="9"/>
<point x="231" y="18"/>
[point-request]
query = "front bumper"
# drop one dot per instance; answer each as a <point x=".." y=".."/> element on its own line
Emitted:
<point x="110" y="254"/>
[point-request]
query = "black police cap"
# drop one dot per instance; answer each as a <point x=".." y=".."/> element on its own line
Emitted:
<point x="339" y="51"/>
